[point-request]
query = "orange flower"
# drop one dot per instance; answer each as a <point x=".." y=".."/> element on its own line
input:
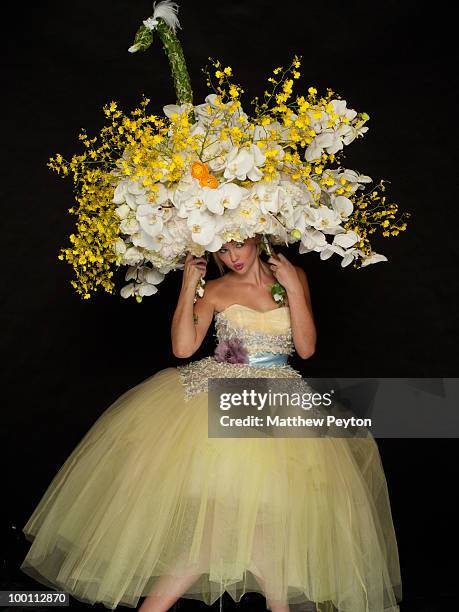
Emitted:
<point x="199" y="170"/>
<point x="209" y="181"/>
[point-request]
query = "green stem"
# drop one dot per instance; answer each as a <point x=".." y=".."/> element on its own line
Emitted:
<point x="174" y="52"/>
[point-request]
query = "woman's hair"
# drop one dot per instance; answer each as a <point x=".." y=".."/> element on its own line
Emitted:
<point x="220" y="265"/>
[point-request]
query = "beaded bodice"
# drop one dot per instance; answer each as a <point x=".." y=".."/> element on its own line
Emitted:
<point x="265" y="338"/>
<point x="258" y="331"/>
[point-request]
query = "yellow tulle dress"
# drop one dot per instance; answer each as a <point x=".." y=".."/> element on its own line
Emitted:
<point x="146" y="493"/>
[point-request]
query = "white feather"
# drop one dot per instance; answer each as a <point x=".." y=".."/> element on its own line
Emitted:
<point x="167" y="11"/>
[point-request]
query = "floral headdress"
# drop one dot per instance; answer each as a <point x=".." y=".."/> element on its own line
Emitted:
<point x="149" y="189"/>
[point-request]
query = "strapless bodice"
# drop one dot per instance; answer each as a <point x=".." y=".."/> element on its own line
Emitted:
<point x="250" y="344"/>
<point x="254" y="337"/>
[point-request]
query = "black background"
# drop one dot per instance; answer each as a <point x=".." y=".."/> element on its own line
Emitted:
<point x="66" y="359"/>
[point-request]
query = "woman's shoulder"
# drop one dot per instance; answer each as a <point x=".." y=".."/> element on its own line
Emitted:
<point x="217" y="284"/>
<point x="301" y="272"/>
<point x="214" y="282"/>
<point x="213" y="285"/>
<point x="217" y="291"/>
<point x="216" y="287"/>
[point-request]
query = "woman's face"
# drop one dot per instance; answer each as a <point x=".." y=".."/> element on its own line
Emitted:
<point x="238" y="256"/>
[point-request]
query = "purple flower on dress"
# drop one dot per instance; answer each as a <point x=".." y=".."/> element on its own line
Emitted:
<point x="231" y="351"/>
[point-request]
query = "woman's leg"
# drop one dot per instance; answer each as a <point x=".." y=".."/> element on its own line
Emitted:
<point x="174" y="586"/>
<point x="275" y="606"/>
<point x="264" y="568"/>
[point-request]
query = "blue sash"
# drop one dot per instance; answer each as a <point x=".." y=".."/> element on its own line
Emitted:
<point x="266" y="359"/>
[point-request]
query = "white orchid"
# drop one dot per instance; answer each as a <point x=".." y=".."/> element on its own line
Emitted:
<point x="203" y="227"/>
<point x="206" y="111"/>
<point x="286" y="209"/>
<point x="217" y="154"/>
<point x="176" y="109"/>
<point x="145" y="283"/>
<point x="266" y="197"/>
<point x="329" y="249"/>
<point x="317" y="146"/>
<point x="272" y="132"/>
<point x="318" y="123"/>
<point x="150" y="219"/>
<point x="333" y="139"/>
<point x="132" y="256"/>
<point x="372" y="259"/>
<point x="226" y="196"/>
<point x="146" y="241"/>
<point x="352" y="177"/>
<point x="193" y="201"/>
<point x="339" y="106"/>
<point x="162" y="194"/>
<point x="346" y="239"/>
<point x="347" y="179"/>
<point x="324" y="219"/>
<point x="341" y="245"/>
<point x="119" y="197"/>
<point x="119" y="248"/>
<point x="150" y="276"/>
<point x="343" y="206"/>
<point x="129" y="225"/>
<point x="130" y="192"/>
<point x="186" y="187"/>
<point x="298" y="193"/>
<point x="366" y="260"/>
<point x="349" y="133"/>
<point x="128" y="291"/>
<point x="155" y="232"/>
<point x="123" y="211"/>
<point x="350" y="255"/>
<point x="312" y="240"/>
<point x="247" y="220"/>
<point x="243" y="163"/>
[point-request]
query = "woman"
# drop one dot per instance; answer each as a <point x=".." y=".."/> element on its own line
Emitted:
<point x="247" y="282"/>
<point x="148" y="505"/>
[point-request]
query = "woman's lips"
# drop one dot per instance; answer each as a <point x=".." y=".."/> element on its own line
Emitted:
<point x="239" y="266"/>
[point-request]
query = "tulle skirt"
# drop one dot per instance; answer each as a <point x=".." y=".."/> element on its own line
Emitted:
<point x="147" y="494"/>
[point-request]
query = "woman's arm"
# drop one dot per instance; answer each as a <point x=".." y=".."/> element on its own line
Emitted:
<point x="186" y="335"/>
<point x="302" y="320"/>
<point x="294" y="279"/>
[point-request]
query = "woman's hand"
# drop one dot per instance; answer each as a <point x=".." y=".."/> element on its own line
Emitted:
<point x="284" y="272"/>
<point x="194" y="269"/>
<point x="301" y="318"/>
